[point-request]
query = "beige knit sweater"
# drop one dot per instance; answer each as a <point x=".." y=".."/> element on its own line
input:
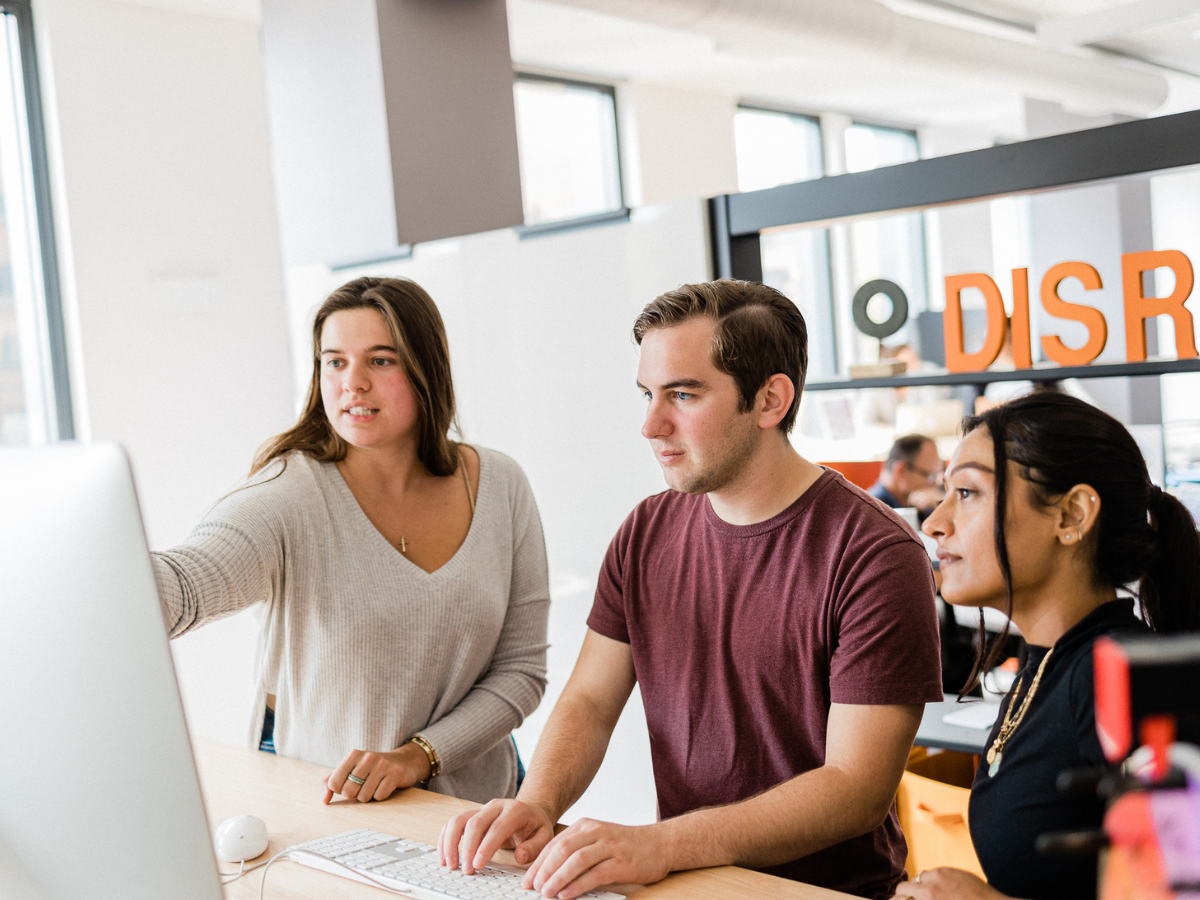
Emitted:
<point x="362" y="648"/>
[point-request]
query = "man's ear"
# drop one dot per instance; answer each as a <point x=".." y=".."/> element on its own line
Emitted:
<point x="774" y="400"/>
<point x="1078" y="511"/>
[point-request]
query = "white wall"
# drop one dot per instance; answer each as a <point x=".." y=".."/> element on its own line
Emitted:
<point x="174" y="287"/>
<point x="545" y="371"/>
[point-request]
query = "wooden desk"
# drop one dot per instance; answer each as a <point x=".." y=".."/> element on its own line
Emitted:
<point x="286" y="794"/>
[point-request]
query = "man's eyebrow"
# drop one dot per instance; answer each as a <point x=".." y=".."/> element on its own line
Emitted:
<point x="678" y="383"/>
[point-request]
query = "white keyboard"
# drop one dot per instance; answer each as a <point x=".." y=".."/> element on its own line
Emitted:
<point x="385" y="860"/>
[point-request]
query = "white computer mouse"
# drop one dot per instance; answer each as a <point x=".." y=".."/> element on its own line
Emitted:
<point x="239" y="838"/>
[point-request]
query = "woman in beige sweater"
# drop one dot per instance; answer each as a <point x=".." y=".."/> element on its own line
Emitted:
<point x="404" y="574"/>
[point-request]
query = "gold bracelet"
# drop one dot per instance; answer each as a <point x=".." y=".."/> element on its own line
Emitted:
<point x="435" y="764"/>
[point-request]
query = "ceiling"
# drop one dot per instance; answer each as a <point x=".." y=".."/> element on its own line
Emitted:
<point x="1146" y="35"/>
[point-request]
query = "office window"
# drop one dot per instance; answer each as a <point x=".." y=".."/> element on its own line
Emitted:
<point x="871" y="146"/>
<point x="567" y="140"/>
<point x="890" y="247"/>
<point x="796" y="262"/>
<point x="34" y="395"/>
<point x="775" y="148"/>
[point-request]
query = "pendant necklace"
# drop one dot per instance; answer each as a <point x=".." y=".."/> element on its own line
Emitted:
<point x="996" y="752"/>
<point x="403" y="545"/>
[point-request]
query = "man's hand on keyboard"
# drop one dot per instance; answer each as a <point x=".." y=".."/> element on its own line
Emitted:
<point x="591" y="853"/>
<point x="380" y="774"/>
<point x="471" y="838"/>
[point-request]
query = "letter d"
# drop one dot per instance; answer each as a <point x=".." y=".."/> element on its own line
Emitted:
<point x="957" y="359"/>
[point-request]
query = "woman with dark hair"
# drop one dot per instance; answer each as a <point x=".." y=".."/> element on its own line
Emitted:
<point x="403" y="574"/>
<point x="1049" y="512"/>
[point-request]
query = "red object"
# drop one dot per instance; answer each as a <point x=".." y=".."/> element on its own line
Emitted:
<point x="1136" y="869"/>
<point x="863" y="474"/>
<point x="1114" y="713"/>
<point x="1158" y="732"/>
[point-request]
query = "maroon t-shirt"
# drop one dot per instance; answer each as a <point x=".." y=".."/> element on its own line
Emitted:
<point x="742" y="636"/>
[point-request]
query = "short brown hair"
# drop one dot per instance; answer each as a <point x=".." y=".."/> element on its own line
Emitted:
<point x="906" y="449"/>
<point x="760" y="333"/>
<point x="419" y="335"/>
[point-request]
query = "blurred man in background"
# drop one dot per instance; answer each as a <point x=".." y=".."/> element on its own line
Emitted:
<point x="912" y="475"/>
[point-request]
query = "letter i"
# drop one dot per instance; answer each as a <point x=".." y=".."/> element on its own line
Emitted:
<point x="1022" y="352"/>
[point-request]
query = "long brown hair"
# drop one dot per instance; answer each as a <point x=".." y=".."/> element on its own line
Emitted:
<point x="419" y="336"/>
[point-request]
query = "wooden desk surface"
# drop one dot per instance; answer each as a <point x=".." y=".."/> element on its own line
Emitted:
<point x="286" y="794"/>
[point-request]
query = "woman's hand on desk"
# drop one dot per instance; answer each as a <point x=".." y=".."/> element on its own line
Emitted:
<point x="947" y="884"/>
<point x="382" y="773"/>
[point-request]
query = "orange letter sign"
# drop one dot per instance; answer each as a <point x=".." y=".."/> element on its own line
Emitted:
<point x="1022" y="351"/>
<point x="1139" y="308"/>
<point x="1056" y="306"/>
<point x="957" y="359"/>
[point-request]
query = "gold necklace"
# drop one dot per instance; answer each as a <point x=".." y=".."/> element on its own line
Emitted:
<point x="403" y="545"/>
<point x="996" y="751"/>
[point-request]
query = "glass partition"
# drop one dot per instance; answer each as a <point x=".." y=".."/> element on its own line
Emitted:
<point x="1067" y="253"/>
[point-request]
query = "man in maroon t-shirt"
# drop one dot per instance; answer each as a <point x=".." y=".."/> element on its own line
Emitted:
<point x="779" y="621"/>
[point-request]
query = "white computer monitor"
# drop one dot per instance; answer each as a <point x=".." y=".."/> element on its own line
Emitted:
<point x="100" y="795"/>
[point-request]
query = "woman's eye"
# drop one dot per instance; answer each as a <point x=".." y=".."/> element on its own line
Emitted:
<point x="334" y="363"/>
<point x="963" y="493"/>
<point x="382" y="361"/>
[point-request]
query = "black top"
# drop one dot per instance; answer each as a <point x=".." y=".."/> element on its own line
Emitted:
<point x="1010" y="810"/>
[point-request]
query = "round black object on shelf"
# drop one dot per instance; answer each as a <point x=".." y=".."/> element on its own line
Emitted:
<point x="894" y="322"/>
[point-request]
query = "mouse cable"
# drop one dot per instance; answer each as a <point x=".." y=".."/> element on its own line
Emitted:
<point x="231" y="877"/>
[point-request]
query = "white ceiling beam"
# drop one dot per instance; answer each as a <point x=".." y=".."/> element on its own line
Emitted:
<point x="1103" y="24"/>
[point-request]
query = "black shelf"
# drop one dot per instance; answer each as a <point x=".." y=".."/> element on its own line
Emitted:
<point x="1038" y="373"/>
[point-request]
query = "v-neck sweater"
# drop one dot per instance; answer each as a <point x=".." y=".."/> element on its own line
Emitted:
<point x="361" y="647"/>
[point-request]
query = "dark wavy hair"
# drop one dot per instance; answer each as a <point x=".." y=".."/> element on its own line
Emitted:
<point x="1145" y="540"/>
<point x="419" y="336"/>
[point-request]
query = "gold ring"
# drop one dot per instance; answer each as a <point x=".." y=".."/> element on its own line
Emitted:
<point x="356" y="779"/>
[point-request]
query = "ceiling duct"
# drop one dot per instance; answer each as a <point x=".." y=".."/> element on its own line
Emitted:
<point x="1079" y="82"/>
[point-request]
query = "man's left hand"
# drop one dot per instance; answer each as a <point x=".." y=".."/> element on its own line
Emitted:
<point x="591" y="853"/>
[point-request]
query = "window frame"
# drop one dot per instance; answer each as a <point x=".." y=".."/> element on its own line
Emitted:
<point x="913" y="133"/>
<point x="62" y="424"/>
<point x="621" y="212"/>
<point x="751" y="106"/>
